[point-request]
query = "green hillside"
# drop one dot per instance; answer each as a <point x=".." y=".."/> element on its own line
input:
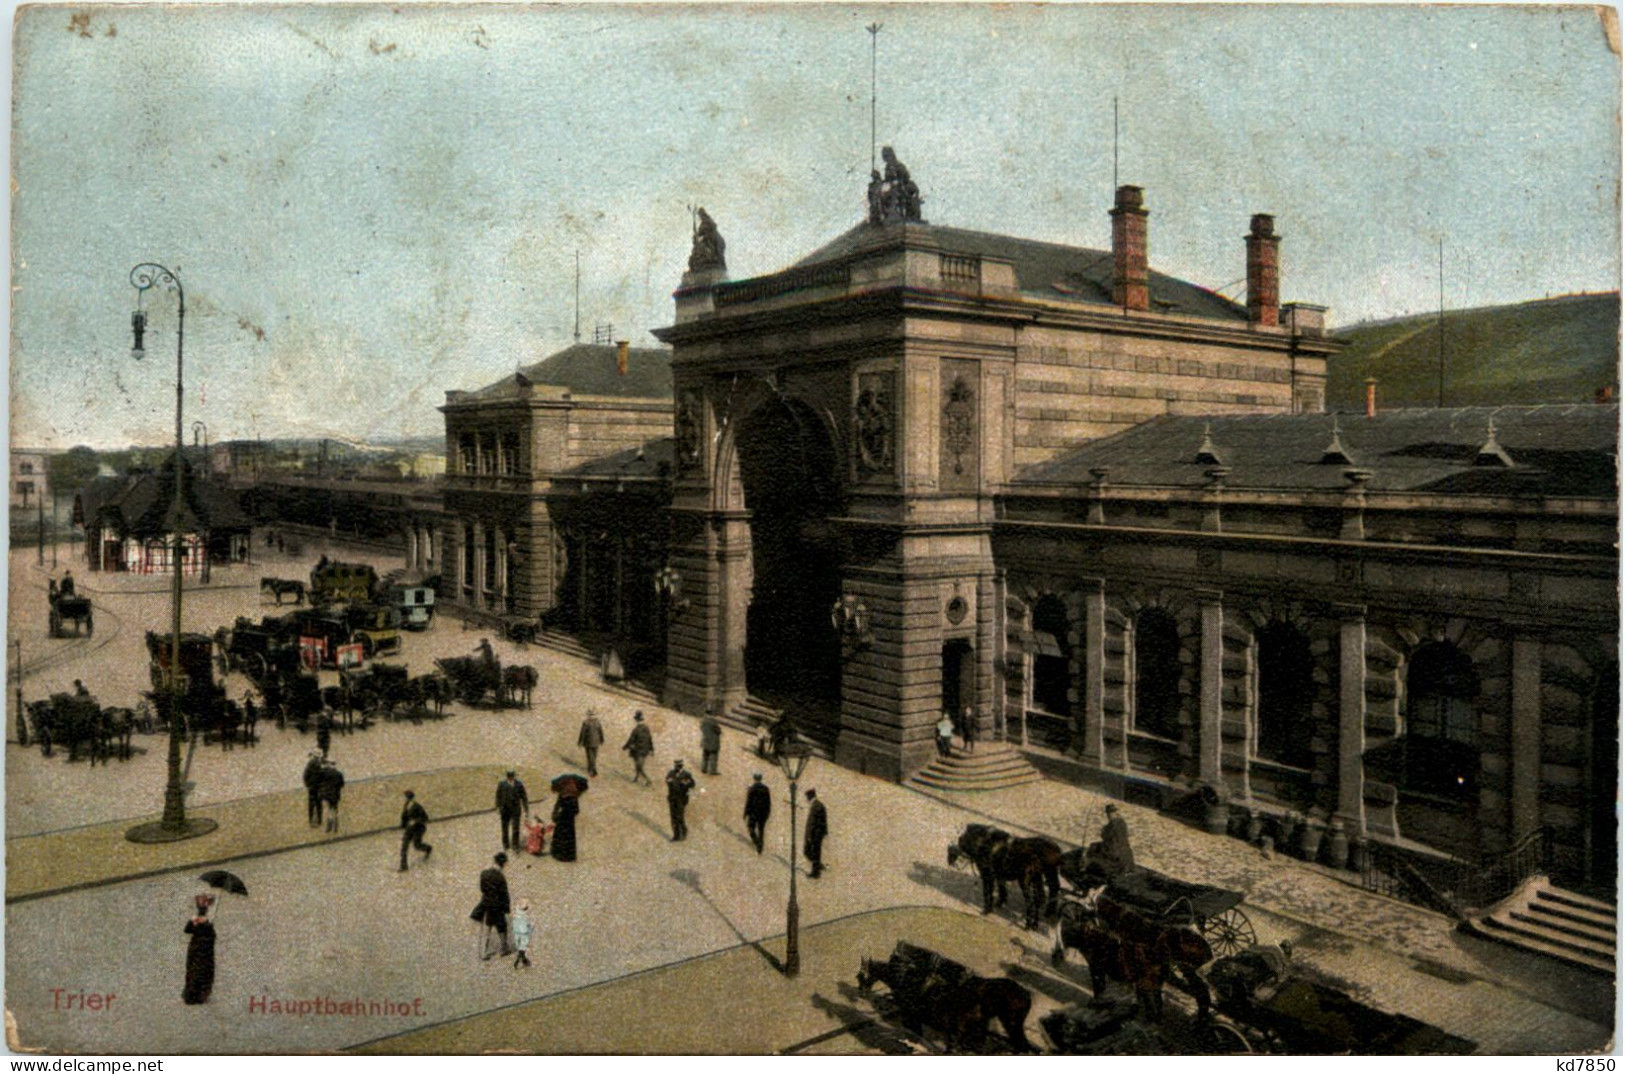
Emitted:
<point x="1558" y="350"/>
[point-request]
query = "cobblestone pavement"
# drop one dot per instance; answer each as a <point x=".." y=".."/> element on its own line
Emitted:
<point x="337" y="920"/>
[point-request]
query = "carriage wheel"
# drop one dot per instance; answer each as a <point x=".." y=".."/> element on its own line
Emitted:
<point x="1226" y="1039"/>
<point x="472" y="694"/>
<point x="90" y="626"/>
<point x="56" y="623"/>
<point x="1229" y="933"/>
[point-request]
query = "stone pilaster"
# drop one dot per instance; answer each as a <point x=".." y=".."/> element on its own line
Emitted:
<point x="1094" y="669"/>
<point x="1210" y="723"/>
<point x="1351" y="718"/>
<point x="1525" y="737"/>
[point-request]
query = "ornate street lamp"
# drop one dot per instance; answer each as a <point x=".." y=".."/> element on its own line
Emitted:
<point x="793" y="759"/>
<point x="669" y="584"/>
<point x="849" y="618"/>
<point x="174" y="824"/>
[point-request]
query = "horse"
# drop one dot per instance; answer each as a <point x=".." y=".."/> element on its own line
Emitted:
<point x="1033" y="863"/>
<point x="279" y="586"/>
<point x="518" y="680"/>
<point x="1121" y="944"/>
<point x="120" y="725"/>
<point x="931" y="990"/>
<point x="43" y="717"/>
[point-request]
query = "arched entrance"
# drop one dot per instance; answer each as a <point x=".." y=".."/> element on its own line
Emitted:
<point x="787" y="475"/>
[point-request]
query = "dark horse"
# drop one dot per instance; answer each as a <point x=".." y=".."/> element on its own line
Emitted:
<point x="931" y="990"/>
<point x="1121" y="944"/>
<point x="999" y="857"/>
<point x="279" y="586"/>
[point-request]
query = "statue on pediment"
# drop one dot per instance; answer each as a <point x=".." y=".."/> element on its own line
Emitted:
<point x="893" y="197"/>
<point x="709" y="248"/>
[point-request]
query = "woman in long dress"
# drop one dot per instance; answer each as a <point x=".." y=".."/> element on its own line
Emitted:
<point x="200" y="954"/>
<point x="564" y="827"/>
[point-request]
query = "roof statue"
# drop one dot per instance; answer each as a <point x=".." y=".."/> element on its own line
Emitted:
<point x="893" y="198"/>
<point x="708" y="252"/>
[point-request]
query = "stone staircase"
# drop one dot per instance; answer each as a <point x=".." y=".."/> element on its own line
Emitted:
<point x="994" y="766"/>
<point x="562" y="642"/>
<point x="754" y="712"/>
<point x="1547" y="919"/>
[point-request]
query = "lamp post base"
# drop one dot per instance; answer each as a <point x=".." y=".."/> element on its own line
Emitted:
<point x="156" y="832"/>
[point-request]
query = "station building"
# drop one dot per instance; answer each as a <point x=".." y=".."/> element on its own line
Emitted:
<point x="926" y="469"/>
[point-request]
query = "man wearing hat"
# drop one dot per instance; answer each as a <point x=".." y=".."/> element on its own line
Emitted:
<point x="641" y="744"/>
<point x="758" y="807"/>
<point x="313" y="788"/>
<point x="817" y="829"/>
<point x="512" y="804"/>
<point x="679" y="781"/>
<point x="590" y="738"/>
<point x="492" y="909"/>
<point x="415" y="821"/>
<point x="1115" y="854"/>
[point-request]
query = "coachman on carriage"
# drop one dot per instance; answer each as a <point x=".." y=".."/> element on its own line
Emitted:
<point x="67" y="606"/>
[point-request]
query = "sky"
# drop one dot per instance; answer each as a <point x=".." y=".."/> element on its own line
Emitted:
<point x="369" y="205"/>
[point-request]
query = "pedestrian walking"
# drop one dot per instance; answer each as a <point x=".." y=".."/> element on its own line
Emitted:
<point x="512" y="804"/>
<point x="968" y="729"/>
<point x="641" y="745"/>
<point x="817" y="830"/>
<point x="199" y="954"/>
<point x="492" y="909"/>
<point x="331" y="789"/>
<point x="590" y="738"/>
<point x="520" y="927"/>
<point x="710" y="744"/>
<point x="313" y="789"/>
<point x="679" y="782"/>
<point x="564" y="826"/>
<point x="945" y="735"/>
<point x="414" y="823"/>
<point x="758" y="807"/>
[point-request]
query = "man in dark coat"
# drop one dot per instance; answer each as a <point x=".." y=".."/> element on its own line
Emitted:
<point x="758" y="807"/>
<point x="512" y="804"/>
<point x="414" y="822"/>
<point x="710" y="744"/>
<point x="817" y="829"/>
<point x="313" y="787"/>
<point x="641" y="744"/>
<point x="679" y="781"/>
<point x="590" y="738"/>
<point x="331" y="789"/>
<point x="1116" y="857"/>
<point x="492" y="911"/>
<point x="66" y="588"/>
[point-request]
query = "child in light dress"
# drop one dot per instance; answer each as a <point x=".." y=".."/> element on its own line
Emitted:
<point x="519" y="928"/>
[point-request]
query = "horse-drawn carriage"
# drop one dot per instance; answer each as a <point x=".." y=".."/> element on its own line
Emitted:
<point x="78" y="723"/>
<point x="332" y="582"/>
<point x="69" y="607"/>
<point x="472" y="678"/>
<point x="1213" y="912"/>
<point x="1292" y="1015"/>
<point x="930" y="990"/>
<point x="204" y="707"/>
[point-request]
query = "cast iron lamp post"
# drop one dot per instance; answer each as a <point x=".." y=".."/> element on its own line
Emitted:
<point x="793" y="759"/>
<point x="174" y="824"/>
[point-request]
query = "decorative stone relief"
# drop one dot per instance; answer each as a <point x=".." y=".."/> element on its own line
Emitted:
<point x="874" y="424"/>
<point x="688" y="433"/>
<point x="958" y="463"/>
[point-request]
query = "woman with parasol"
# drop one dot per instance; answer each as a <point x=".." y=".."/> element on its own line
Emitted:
<point x="569" y="789"/>
<point x="200" y="953"/>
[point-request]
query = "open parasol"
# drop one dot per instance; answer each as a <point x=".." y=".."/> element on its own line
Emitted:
<point x="570" y="784"/>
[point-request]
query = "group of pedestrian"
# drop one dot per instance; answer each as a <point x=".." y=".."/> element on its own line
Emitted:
<point x="963" y="725"/>
<point x="324" y="787"/>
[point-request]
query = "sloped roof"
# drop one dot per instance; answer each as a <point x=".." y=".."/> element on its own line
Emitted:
<point x="590" y="369"/>
<point x="1043" y="269"/>
<point x="1555" y="450"/>
<point x="140" y="504"/>
<point x="650" y="459"/>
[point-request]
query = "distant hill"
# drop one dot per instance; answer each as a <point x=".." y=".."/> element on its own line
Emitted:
<point x="1557" y="350"/>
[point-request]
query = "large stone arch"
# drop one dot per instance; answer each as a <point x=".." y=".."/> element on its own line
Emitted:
<point x="1391" y="643"/>
<point x="1029" y="591"/>
<point x="1244" y="621"/>
<point x="1123" y="608"/>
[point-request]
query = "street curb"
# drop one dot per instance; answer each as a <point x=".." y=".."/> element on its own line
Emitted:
<point x="108" y="881"/>
<point x="663" y="967"/>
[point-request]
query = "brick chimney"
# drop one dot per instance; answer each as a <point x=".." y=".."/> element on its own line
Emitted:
<point x="1130" y="274"/>
<point x="1264" y="271"/>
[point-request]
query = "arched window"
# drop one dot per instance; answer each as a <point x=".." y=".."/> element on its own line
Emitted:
<point x="1286" y="685"/>
<point x="1156" y="674"/>
<point x="1441" y="722"/>
<point x="1052" y="662"/>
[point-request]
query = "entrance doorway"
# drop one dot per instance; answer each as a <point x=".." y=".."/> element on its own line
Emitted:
<point x="1603" y="823"/>
<point x="786" y="471"/>
<point x="958" y="676"/>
